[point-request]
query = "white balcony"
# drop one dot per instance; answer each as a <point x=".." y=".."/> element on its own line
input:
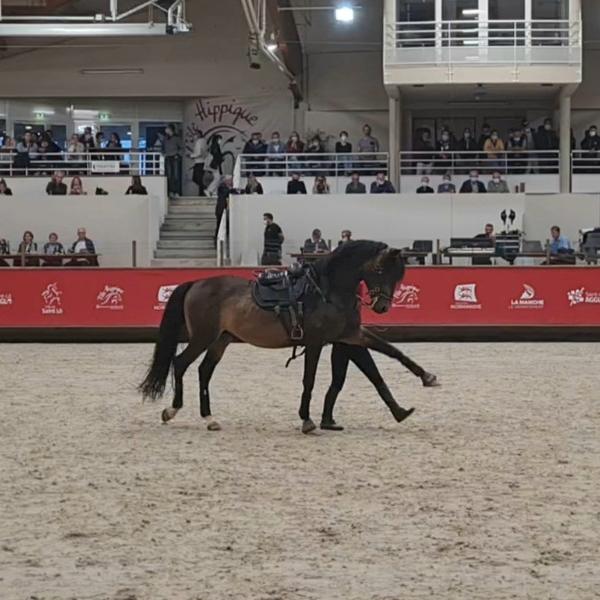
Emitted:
<point x="492" y="51"/>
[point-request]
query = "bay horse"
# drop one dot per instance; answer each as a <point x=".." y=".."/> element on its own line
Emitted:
<point x="220" y="310"/>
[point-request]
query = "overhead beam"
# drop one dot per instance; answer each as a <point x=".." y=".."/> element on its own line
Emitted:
<point x="84" y="29"/>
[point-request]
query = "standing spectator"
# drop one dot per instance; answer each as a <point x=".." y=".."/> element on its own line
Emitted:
<point x="368" y="143"/>
<point x="444" y="152"/>
<point x="320" y="185"/>
<point x="80" y="247"/>
<point x="4" y="189"/>
<point x="53" y="147"/>
<point x="529" y="134"/>
<point x="546" y="139"/>
<point x="136" y="187"/>
<point x="113" y="148"/>
<point x="75" y="149"/>
<point x="356" y="186"/>
<point x="100" y="144"/>
<point x="173" y="150"/>
<point x="4" y="250"/>
<point x="446" y="187"/>
<point x="87" y="139"/>
<point x="273" y="242"/>
<point x="315" y="146"/>
<point x="253" y="185"/>
<point x="494" y="150"/>
<point x="486" y="133"/>
<point x="257" y="150"/>
<point x="53" y="248"/>
<point x="517" y="147"/>
<point x="315" y="244"/>
<point x="424" y="188"/>
<point x="295" y="186"/>
<point x="424" y="148"/>
<point x="590" y="145"/>
<point x="56" y="187"/>
<point x="346" y="237"/>
<point x="295" y="145"/>
<point x="473" y="185"/>
<point x="27" y="246"/>
<point x="382" y="185"/>
<point x="213" y="165"/>
<point x="344" y="147"/>
<point x="27" y="150"/>
<point x="223" y="193"/>
<point x="275" y="154"/>
<point x="497" y="185"/>
<point x="199" y="154"/>
<point x="77" y="187"/>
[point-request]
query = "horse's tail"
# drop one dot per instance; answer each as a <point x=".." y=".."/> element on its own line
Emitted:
<point x="155" y="381"/>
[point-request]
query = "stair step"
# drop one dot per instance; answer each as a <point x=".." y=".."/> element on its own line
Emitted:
<point x="206" y="243"/>
<point x="189" y="225"/>
<point x="192" y="201"/>
<point x="190" y="218"/>
<point x="187" y="234"/>
<point x="185" y="253"/>
<point x="186" y="209"/>
<point x="183" y="262"/>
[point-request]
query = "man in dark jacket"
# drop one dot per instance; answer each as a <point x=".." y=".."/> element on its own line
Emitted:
<point x="546" y="139"/>
<point x="82" y="246"/>
<point x="223" y="192"/>
<point x="295" y="186"/>
<point x="381" y="185"/>
<point x="255" y="145"/>
<point x="56" y="187"/>
<point x="355" y="186"/>
<point x="315" y="243"/>
<point x="591" y="145"/>
<point x="473" y="185"/>
<point x="273" y="242"/>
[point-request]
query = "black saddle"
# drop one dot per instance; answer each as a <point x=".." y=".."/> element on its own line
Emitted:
<point x="283" y="292"/>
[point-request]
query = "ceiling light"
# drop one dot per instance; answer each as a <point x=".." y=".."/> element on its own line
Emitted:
<point x="470" y="12"/>
<point x="125" y="71"/>
<point x="344" y="14"/>
<point x="271" y="46"/>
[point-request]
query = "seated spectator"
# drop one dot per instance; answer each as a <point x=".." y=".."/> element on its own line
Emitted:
<point x="56" y="187"/>
<point x="346" y="237"/>
<point x="446" y="187"/>
<point x="136" y="187"/>
<point x="4" y="189"/>
<point x="295" y="186"/>
<point x="356" y="186"/>
<point x="368" y="143"/>
<point x="253" y="186"/>
<point x="488" y="232"/>
<point x="81" y="246"/>
<point x="497" y="185"/>
<point x="424" y="188"/>
<point x="53" y="248"/>
<point x="559" y="242"/>
<point x="382" y="185"/>
<point x="320" y="185"/>
<point x="473" y="185"/>
<point x="4" y="250"/>
<point x="424" y="152"/>
<point x="315" y="244"/>
<point x="27" y="246"/>
<point x="494" y="150"/>
<point x="77" y="187"/>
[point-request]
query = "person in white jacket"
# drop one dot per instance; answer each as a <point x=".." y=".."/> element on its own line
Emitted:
<point x="199" y="155"/>
<point x="213" y="163"/>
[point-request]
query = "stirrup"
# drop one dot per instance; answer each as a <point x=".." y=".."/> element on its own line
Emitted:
<point x="297" y="333"/>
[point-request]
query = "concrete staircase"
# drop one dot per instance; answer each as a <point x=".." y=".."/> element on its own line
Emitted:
<point x="186" y="236"/>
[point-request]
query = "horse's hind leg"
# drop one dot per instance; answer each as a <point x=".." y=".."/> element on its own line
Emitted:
<point x="205" y="371"/>
<point x="180" y="365"/>
<point x="339" y="370"/>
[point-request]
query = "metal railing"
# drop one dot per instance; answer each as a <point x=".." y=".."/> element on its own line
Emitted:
<point x="508" y="162"/>
<point x="494" y="41"/>
<point x="100" y="162"/>
<point x="585" y="162"/>
<point x="311" y="164"/>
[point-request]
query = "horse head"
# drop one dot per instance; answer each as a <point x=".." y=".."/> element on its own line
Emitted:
<point x="382" y="275"/>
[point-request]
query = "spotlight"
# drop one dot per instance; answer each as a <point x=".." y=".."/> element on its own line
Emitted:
<point x="272" y="46"/>
<point x="344" y="14"/>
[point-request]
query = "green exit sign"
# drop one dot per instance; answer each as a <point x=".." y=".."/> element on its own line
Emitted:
<point x="104" y="116"/>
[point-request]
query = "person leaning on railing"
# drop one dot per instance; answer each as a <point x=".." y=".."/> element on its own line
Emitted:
<point x="516" y="147"/>
<point x="546" y="139"/>
<point x="493" y="149"/>
<point x="591" y="146"/>
<point x="275" y="155"/>
<point x="344" y="147"/>
<point x="26" y="151"/>
<point x="255" y="145"/>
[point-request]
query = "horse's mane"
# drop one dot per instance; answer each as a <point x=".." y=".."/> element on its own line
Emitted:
<point x="349" y="254"/>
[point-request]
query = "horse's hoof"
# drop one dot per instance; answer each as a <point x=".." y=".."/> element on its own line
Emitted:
<point x="213" y="426"/>
<point x="403" y="414"/>
<point x="167" y="414"/>
<point x="430" y="380"/>
<point x="308" y="426"/>
<point x="331" y="426"/>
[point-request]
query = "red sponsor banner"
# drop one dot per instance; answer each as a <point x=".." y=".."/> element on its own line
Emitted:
<point x="566" y="296"/>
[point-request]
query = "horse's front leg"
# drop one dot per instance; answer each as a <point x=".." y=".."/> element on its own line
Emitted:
<point x="311" y="361"/>
<point x="368" y="339"/>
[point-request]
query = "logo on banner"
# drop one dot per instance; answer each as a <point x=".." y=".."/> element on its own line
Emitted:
<point x="111" y="297"/>
<point x="406" y="296"/>
<point x="163" y="295"/>
<point x="52" y="301"/>
<point x="6" y="299"/>
<point x="582" y="296"/>
<point x="527" y="299"/>
<point x="465" y="296"/>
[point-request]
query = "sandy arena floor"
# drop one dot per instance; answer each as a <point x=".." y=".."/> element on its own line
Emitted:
<point x="490" y="491"/>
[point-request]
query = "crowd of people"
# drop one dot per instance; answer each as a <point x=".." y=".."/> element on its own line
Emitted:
<point x="472" y="185"/>
<point x="81" y="253"/>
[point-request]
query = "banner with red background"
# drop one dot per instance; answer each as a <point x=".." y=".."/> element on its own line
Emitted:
<point x="135" y="298"/>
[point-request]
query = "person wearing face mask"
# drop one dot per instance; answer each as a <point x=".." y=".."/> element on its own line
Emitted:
<point x="356" y="186"/>
<point x="494" y="150"/>
<point x="473" y="185"/>
<point x="446" y="187"/>
<point x="591" y="145"/>
<point x="382" y="185"/>
<point x="273" y="242"/>
<point x="315" y="146"/>
<point x="256" y="148"/>
<point x="344" y="147"/>
<point x="275" y="155"/>
<point x="517" y="147"/>
<point x="213" y="165"/>
<point x="546" y="139"/>
<point x="346" y="237"/>
<point x="295" y="145"/>
<point x="424" y="188"/>
<point x="445" y="146"/>
<point x="497" y="185"/>
<point x="320" y="185"/>
<point x="424" y="153"/>
<point x="295" y="186"/>
<point x="467" y="146"/>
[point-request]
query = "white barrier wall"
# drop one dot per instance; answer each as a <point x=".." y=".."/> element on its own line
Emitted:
<point x="545" y="184"/>
<point x="112" y="222"/>
<point x="116" y="184"/>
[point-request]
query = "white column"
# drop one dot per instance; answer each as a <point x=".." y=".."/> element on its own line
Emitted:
<point x="395" y="125"/>
<point x="565" y="141"/>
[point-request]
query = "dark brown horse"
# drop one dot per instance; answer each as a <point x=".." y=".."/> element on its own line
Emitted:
<point x="218" y="311"/>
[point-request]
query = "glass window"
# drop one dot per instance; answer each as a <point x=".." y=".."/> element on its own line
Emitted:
<point x="506" y="33"/>
<point x="460" y="34"/>
<point x="460" y="10"/>
<point x="22" y="128"/>
<point x="552" y="32"/>
<point x="2" y="131"/>
<point x="123" y="131"/>
<point x="416" y="11"/>
<point x="550" y="9"/>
